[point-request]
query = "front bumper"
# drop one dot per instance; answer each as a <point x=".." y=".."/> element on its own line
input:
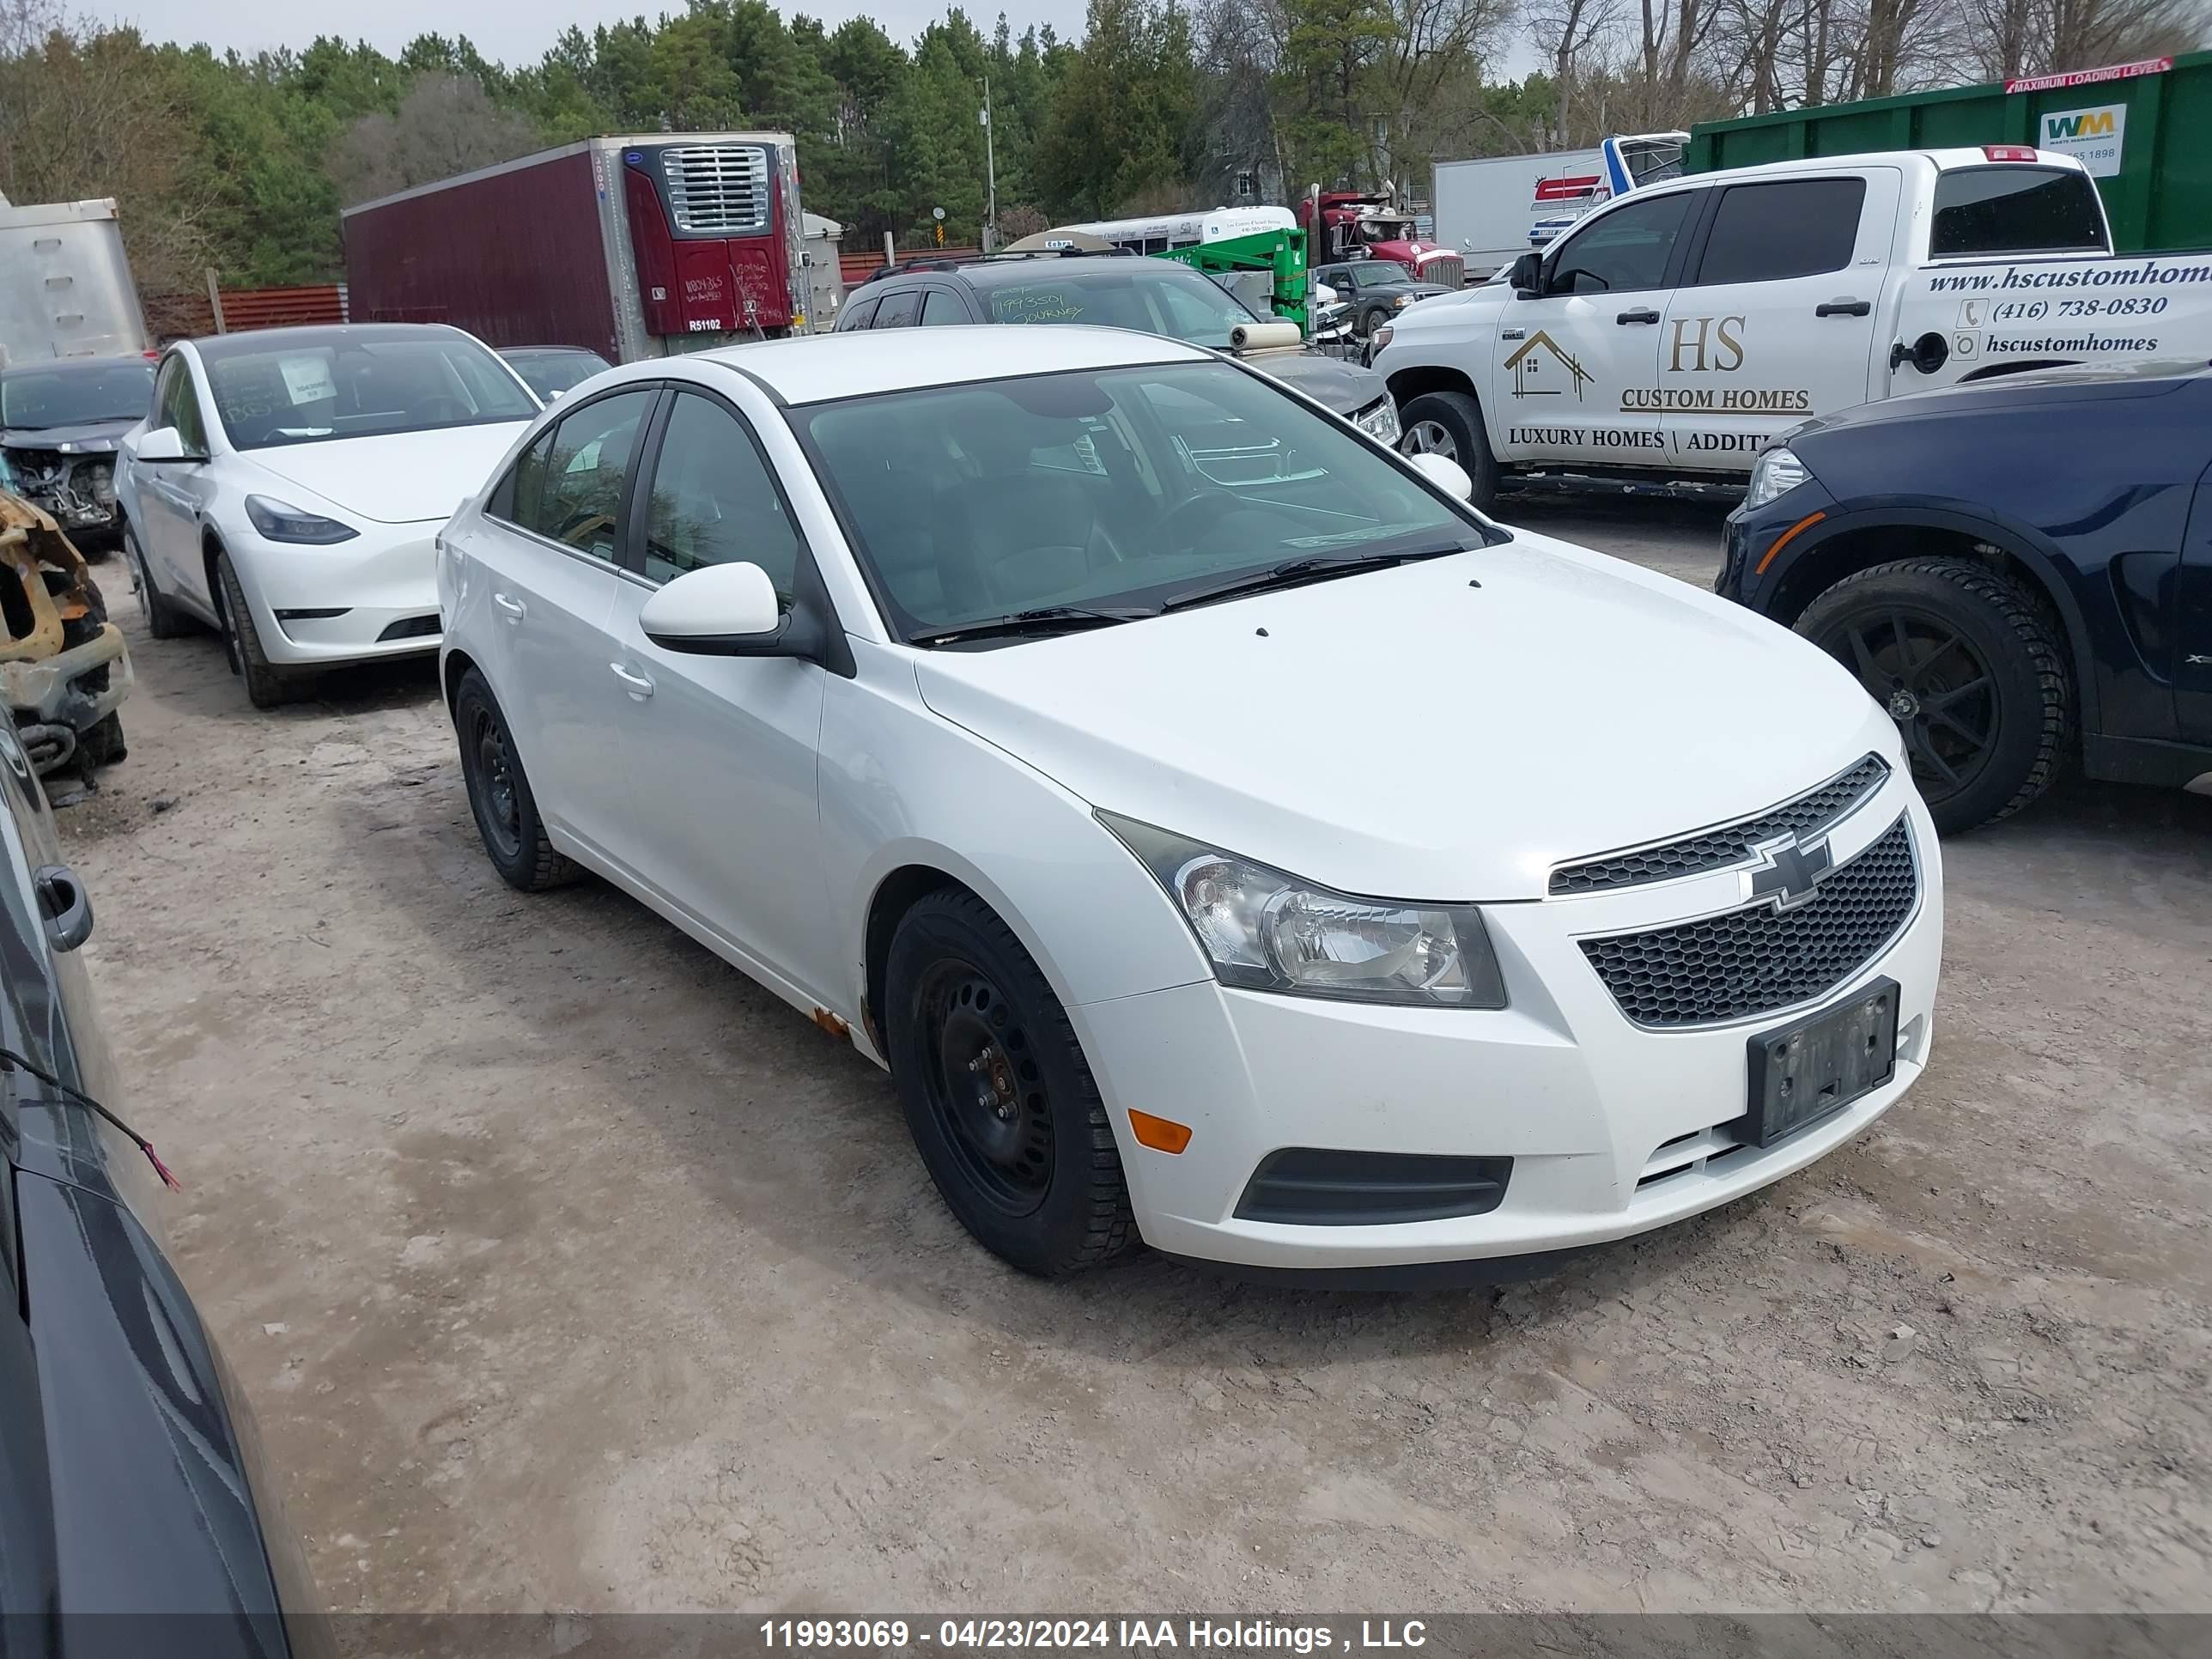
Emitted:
<point x="71" y="691"/>
<point x="1613" y="1129"/>
<point x="374" y="596"/>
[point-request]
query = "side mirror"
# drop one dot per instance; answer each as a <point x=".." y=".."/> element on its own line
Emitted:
<point x="164" y="443"/>
<point x="719" y="610"/>
<point x="1445" y="473"/>
<point x="1528" y="274"/>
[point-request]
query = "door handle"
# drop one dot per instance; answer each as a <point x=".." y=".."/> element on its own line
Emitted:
<point x="1638" y="317"/>
<point x="1845" y="308"/>
<point x="63" y="905"/>
<point x="516" y="610"/>
<point x="636" y="685"/>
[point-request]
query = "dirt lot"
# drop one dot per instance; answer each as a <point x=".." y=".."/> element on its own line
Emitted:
<point x="566" y="1269"/>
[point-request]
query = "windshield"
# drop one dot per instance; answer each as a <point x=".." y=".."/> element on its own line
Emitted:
<point x="33" y="398"/>
<point x="311" y="390"/>
<point x="1122" y="488"/>
<point x="1159" y="300"/>
<point x="552" y="373"/>
<point x="1374" y="273"/>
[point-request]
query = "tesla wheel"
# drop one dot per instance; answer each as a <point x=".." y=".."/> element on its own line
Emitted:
<point x="1968" y="667"/>
<point x="499" y="795"/>
<point x="266" y="686"/>
<point x="999" y="1098"/>
<point x="163" y="619"/>
<point x="1449" y="424"/>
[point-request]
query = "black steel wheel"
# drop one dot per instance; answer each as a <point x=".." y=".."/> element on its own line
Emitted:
<point x="986" y="1090"/>
<point x="500" y="796"/>
<point x="998" y="1096"/>
<point x="1967" y="665"/>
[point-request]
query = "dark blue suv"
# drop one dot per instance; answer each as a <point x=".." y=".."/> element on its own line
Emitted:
<point x="2019" y="570"/>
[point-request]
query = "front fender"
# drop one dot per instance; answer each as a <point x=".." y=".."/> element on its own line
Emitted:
<point x="901" y="786"/>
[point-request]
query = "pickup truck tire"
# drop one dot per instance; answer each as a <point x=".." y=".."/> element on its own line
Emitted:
<point x="1968" y="666"/>
<point x="1450" y="423"/>
<point x="163" y="620"/>
<point x="1001" y="1104"/>
<point x="1373" y="318"/>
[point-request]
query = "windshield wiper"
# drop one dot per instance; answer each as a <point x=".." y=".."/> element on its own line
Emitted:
<point x="1290" y="571"/>
<point x="1043" y="619"/>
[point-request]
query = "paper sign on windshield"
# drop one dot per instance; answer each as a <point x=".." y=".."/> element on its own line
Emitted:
<point x="308" y="379"/>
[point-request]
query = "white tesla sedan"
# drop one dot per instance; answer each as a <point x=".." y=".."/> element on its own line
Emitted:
<point x="1224" y="835"/>
<point x="287" y="486"/>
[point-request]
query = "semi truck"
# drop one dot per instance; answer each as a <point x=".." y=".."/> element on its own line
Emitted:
<point x="633" y="248"/>
<point x="65" y="287"/>
<point x="1495" y="208"/>
<point x="1350" y="224"/>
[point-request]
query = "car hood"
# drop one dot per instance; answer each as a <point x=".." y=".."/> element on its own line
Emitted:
<point x="1408" y="734"/>
<point x="400" y="477"/>
<point x="104" y="433"/>
<point x="1344" y="388"/>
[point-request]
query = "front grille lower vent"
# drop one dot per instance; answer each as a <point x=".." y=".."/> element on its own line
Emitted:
<point x="1758" y="959"/>
<point x="717" y="187"/>
<point x="1716" y="849"/>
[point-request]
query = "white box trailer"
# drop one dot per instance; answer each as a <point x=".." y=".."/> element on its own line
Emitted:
<point x="1494" y="209"/>
<point x="65" y="287"/>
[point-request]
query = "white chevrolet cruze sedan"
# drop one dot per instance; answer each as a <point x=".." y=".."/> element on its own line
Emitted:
<point x="288" y="484"/>
<point x="1224" y="835"/>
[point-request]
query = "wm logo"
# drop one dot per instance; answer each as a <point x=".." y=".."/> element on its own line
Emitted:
<point x="2091" y="124"/>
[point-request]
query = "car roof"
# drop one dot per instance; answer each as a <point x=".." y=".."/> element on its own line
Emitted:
<point x="824" y="368"/>
<point x="574" y="351"/>
<point x="989" y="270"/>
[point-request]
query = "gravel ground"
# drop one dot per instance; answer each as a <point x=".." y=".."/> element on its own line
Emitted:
<point x="566" y="1269"/>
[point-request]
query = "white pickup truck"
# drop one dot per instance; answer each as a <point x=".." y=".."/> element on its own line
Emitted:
<point x="1676" y="331"/>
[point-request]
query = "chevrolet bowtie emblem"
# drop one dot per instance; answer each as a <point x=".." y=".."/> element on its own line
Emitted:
<point x="1789" y="872"/>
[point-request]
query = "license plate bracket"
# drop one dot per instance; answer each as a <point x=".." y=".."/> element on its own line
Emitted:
<point x="1812" y="1068"/>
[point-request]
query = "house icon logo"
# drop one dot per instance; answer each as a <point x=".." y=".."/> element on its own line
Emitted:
<point x="1530" y="379"/>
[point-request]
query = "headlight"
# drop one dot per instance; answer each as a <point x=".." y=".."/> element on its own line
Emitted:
<point x="280" y="521"/>
<point x="1267" y="931"/>
<point x="1776" y="473"/>
<point x="1379" y="421"/>
<point x="1380" y="336"/>
<point x="1402" y="301"/>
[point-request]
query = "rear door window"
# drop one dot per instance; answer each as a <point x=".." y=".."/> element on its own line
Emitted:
<point x="898" y="310"/>
<point x="857" y="314"/>
<point x="1985" y="210"/>
<point x="1791" y="227"/>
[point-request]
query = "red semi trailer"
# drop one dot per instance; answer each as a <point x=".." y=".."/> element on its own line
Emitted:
<point x="631" y="247"/>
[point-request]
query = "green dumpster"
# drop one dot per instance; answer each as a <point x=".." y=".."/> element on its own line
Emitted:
<point x="2143" y="130"/>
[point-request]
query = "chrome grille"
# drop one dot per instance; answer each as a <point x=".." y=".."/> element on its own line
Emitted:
<point x="1760" y="959"/>
<point x="1451" y="273"/>
<point x="1716" y="849"/>
<point x="717" y="187"/>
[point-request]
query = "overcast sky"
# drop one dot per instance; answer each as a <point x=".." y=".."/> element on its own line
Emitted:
<point x="506" y="30"/>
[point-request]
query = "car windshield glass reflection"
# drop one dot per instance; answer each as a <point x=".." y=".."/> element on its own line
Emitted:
<point x="1115" y="491"/>
<point x="311" y="389"/>
<point x="34" y="399"/>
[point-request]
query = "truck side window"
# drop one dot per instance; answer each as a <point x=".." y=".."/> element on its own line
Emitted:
<point x="898" y="310"/>
<point x="1793" y="228"/>
<point x="1626" y="251"/>
<point x="1984" y="209"/>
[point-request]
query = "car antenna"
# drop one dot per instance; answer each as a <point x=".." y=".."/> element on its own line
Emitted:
<point x="9" y="1059"/>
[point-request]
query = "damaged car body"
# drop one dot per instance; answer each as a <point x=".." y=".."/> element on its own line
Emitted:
<point x="59" y="425"/>
<point x="63" y="668"/>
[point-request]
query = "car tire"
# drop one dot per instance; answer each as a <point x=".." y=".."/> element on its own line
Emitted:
<point x="514" y="837"/>
<point x="266" y="685"/>
<point x="1450" y="423"/>
<point x="1001" y="1104"/>
<point x="1970" y="668"/>
<point x="1373" y="318"/>
<point x="164" y="620"/>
